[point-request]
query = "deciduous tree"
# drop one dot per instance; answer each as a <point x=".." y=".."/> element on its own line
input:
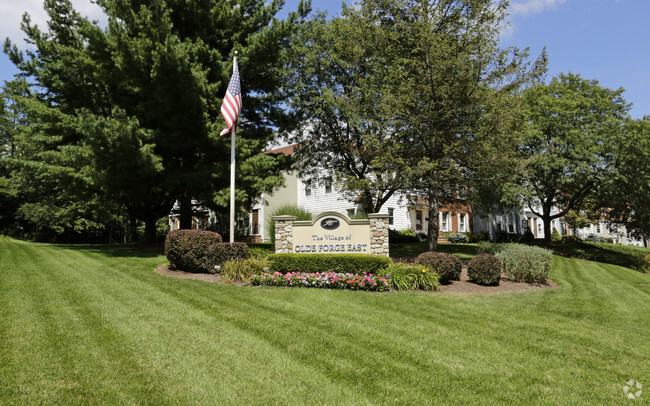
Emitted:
<point x="573" y="141"/>
<point x="454" y="93"/>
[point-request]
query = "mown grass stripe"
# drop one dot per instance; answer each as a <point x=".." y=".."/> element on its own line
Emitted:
<point x="201" y="343"/>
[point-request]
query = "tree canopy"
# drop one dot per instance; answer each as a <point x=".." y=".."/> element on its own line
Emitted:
<point x="573" y="141"/>
<point x="335" y="86"/>
<point x="130" y="113"/>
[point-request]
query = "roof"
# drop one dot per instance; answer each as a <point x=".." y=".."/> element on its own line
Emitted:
<point x="286" y="150"/>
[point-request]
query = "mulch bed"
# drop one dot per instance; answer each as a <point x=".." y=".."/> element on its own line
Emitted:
<point x="465" y="287"/>
<point x="461" y="287"/>
<point x="205" y="277"/>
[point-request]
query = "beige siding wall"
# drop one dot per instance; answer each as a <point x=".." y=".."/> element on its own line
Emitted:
<point x="270" y="201"/>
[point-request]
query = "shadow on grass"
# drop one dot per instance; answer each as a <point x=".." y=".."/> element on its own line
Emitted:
<point x="116" y="251"/>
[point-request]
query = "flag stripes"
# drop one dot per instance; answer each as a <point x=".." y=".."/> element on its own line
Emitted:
<point x="231" y="106"/>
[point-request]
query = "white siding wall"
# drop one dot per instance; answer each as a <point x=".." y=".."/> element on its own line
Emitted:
<point x="319" y="201"/>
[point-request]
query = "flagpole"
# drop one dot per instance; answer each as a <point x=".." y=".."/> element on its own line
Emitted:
<point x="232" y="171"/>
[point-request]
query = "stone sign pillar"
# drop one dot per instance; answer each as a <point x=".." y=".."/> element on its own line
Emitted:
<point x="284" y="234"/>
<point x="332" y="233"/>
<point x="379" y="234"/>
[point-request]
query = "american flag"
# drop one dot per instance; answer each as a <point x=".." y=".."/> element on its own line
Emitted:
<point x="231" y="107"/>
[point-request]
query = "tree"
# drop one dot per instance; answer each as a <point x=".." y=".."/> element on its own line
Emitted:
<point x="572" y="143"/>
<point x="453" y="94"/>
<point x="335" y="82"/>
<point x="133" y="109"/>
<point x="626" y="194"/>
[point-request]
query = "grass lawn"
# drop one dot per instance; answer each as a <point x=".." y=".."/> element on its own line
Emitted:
<point x="95" y="325"/>
<point x="411" y="250"/>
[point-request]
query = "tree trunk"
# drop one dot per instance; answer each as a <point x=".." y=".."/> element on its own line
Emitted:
<point x="133" y="229"/>
<point x="546" y="218"/>
<point x="110" y="232"/>
<point x="150" y="231"/>
<point x="432" y="226"/>
<point x="186" y="211"/>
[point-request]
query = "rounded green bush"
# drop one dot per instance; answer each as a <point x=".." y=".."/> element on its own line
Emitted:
<point x="484" y="269"/>
<point x="189" y="250"/>
<point x="457" y="238"/>
<point x="447" y="266"/>
<point x="199" y="251"/>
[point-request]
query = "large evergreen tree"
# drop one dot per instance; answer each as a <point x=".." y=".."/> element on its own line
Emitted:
<point x="132" y="111"/>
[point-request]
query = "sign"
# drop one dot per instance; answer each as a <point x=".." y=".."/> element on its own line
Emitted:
<point x="331" y="233"/>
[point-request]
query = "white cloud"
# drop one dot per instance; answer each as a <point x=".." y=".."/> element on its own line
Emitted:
<point x="11" y="14"/>
<point x="528" y="7"/>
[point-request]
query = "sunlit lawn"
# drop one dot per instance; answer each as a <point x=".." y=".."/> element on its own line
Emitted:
<point x="95" y="325"/>
<point x="411" y="250"/>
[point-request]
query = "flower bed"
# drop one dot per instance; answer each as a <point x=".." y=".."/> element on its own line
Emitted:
<point x="328" y="280"/>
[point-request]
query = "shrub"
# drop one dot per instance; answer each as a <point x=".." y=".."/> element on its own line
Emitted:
<point x="478" y="237"/>
<point x="523" y="263"/>
<point x="486" y="247"/>
<point x="570" y="239"/>
<point x="421" y="236"/>
<point x="447" y="266"/>
<point x="260" y="250"/>
<point x="413" y="277"/>
<point x="241" y="270"/>
<point x="484" y="269"/>
<point x="343" y="263"/>
<point x="457" y="238"/>
<point x="192" y="250"/>
<point x="555" y="235"/>
<point x="528" y="236"/>
<point x="285" y="210"/>
<point x="514" y="237"/>
<point x="595" y="238"/>
<point x="402" y="236"/>
<point x="327" y="280"/>
<point x="223" y="252"/>
<point x="501" y="236"/>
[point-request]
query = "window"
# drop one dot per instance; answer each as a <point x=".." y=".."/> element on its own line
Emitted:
<point x="328" y="188"/>
<point x="598" y="228"/>
<point x="524" y="224"/>
<point x="539" y="228"/>
<point x="391" y="214"/>
<point x="444" y="224"/>
<point x="461" y="223"/>
<point x="307" y="191"/>
<point x="418" y="220"/>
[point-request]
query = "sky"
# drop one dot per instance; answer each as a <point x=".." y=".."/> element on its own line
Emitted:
<point x="606" y="40"/>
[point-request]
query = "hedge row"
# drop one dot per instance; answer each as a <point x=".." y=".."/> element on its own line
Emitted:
<point x="342" y="263"/>
<point x="200" y="251"/>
